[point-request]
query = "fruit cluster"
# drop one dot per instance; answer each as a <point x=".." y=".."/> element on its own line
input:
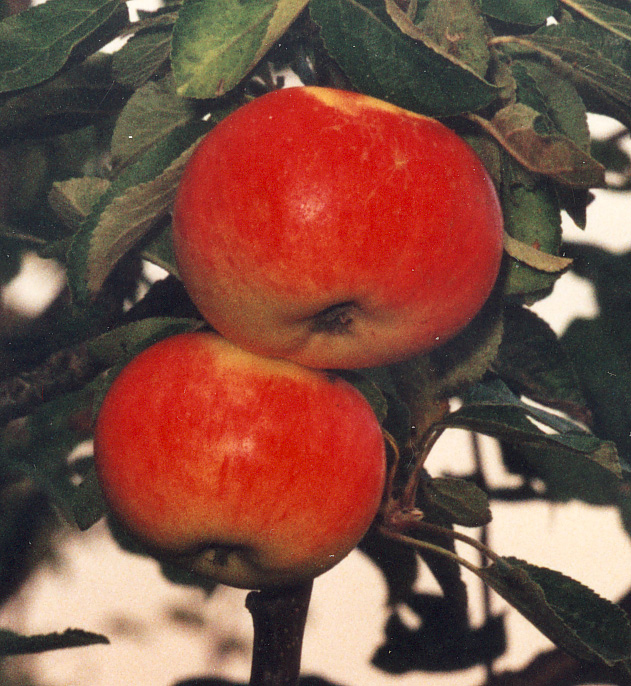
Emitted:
<point x="314" y="229"/>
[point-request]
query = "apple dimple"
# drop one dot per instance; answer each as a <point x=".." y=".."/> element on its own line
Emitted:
<point x="336" y="319"/>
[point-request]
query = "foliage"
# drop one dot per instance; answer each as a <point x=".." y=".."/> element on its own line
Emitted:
<point x="93" y="143"/>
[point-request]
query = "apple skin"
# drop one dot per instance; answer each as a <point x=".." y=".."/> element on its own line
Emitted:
<point x="252" y="471"/>
<point x="336" y="230"/>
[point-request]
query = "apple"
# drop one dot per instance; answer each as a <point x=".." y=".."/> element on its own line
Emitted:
<point x="252" y="471"/>
<point x="336" y="230"/>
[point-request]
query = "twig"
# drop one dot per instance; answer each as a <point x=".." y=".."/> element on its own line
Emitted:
<point x="9" y="233"/>
<point x="481" y="481"/>
<point x="408" y="499"/>
<point x="459" y="536"/>
<point x="394" y="466"/>
<point x="62" y="372"/>
<point x="279" y="617"/>
<point x="70" y="369"/>
<point x="418" y="543"/>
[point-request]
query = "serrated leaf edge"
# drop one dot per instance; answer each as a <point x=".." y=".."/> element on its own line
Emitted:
<point x="98" y="268"/>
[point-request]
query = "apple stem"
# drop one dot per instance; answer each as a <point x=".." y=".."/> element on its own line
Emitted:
<point x="279" y="616"/>
<point x="408" y="499"/>
<point x="391" y="443"/>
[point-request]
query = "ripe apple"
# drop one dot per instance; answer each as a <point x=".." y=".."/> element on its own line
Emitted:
<point x="336" y="230"/>
<point x="253" y="471"/>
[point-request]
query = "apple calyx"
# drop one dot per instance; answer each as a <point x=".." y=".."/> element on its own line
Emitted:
<point x="336" y="320"/>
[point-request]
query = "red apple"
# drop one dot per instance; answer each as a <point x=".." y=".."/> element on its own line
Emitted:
<point x="336" y="230"/>
<point x="256" y="472"/>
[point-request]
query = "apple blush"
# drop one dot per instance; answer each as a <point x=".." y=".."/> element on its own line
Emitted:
<point x="336" y="230"/>
<point x="254" y="472"/>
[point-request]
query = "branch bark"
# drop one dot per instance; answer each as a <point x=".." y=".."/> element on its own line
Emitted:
<point x="70" y="369"/>
<point x="64" y="371"/>
<point x="279" y="617"/>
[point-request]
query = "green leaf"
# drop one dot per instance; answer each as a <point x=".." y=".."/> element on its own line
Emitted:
<point x="571" y="615"/>
<point x="531" y="217"/>
<point x="595" y="60"/>
<point x="516" y="127"/>
<point x="513" y="422"/>
<point x="82" y="95"/>
<point x="159" y="251"/>
<point x="131" y="206"/>
<point x="532" y="256"/>
<point x="563" y="111"/>
<point x="560" y="101"/>
<point x="594" y="70"/>
<point x="73" y="199"/>
<point x="145" y="53"/>
<point x="527" y="92"/>
<point x="488" y="150"/>
<point x="217" y="42"/>
<point x="398" y="421"/>
<point x="16" y="644"/>
<point x="371" y="391"/>
<point x="417" y="390"/>
<point x="495" y="394"/>
<point x="564" y="477"/>
<point x="454" y="29"/>
<point x="533" y="363"/>
<point x="458" y="501"/>
<point x="125" y="342"/>
<point x="152" y="112"/>
<point x="37" y="43"/>
<point x="492" y="409"/>
<point x="526" y="12"/>
<point x="40" y="444"/>
<point x="612" y="19"/>
<point x="465" y="359"/>
<point x="87" y="502"/>
<point x="383" y="62"/>
<point x="603" y="364"/>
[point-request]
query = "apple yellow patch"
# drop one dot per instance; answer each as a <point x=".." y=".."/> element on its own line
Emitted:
<point x="356" y="105"/>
